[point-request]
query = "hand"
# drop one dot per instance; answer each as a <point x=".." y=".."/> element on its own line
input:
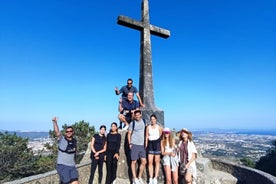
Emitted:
<point x="116" y="156"/>
<point x="142" y="105"/>
<point x="54" y="119"/>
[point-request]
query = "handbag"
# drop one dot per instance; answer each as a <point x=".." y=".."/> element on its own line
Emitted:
<point x="182" y="169"/>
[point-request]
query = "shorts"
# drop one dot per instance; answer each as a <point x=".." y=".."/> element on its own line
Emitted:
<point x="154" y="147"/>
<point x="67" y="174"/>
<point x="137" y="151"/>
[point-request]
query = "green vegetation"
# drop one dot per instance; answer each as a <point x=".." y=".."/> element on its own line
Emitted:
<point x="247" y="162"/>
<point x="267" y="163"/>
<point x="18" y="161"/>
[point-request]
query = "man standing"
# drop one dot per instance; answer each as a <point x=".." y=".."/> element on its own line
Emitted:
<point x="126" y="109"/>
<point x="129" y="88"/>
<point x="67" y="147"/>
<point x="136" y="136"/>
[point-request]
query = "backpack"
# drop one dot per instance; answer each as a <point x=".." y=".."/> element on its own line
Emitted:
<point x="71" y="146"/>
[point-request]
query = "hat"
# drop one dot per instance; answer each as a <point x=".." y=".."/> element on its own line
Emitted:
<point x="186" y="131"/>
<point x="166" y="129"/>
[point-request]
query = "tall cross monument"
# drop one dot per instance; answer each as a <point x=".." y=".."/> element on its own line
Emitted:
<point x="145" y="81"/>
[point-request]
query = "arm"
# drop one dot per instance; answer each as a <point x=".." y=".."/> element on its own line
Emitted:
<point x="117" y="92"/>
<point x="147" y="137"/>
<point x="120" y="107"/>
<point x="191" y="160"/>
<point x="102" y="150"/>
<point x="92" y="145"/>
<point x="129" y="138"/>
<point x="56" y="129"/>
<point x="140" y="101"/>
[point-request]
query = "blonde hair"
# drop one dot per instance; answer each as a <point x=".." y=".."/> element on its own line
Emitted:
<point x="164" y="141"/>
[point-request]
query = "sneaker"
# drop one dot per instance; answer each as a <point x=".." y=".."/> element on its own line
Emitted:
<point x="136" y="181"/>
<point x="126" y="127"/>
<point x="154" y="181"/>
<point x="150" y="181"/>
<point x="141" y="181"/>
<point x="114" y="182"/>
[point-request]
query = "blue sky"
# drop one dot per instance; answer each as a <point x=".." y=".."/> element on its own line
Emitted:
<point x="63" y="58"/>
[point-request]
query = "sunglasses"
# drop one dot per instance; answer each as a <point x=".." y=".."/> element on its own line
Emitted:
<point x="166" y="132"/>
<point x="69" y="131"/>
<point x="129" y="83"/>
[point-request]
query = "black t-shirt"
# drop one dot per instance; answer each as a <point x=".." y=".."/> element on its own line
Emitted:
<point x="113" y="142"/>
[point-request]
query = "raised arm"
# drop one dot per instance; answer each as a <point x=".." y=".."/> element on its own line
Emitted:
<point x="56" y="129"/>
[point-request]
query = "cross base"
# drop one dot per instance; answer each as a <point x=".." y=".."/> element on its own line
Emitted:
<point x="146" y="113"/>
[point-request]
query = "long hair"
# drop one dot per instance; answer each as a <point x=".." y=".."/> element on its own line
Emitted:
<point x="164" y="141"/>
<point x="190" y="135"/>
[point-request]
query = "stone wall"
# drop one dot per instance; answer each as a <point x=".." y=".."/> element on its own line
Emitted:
<point x="245" y="175"/>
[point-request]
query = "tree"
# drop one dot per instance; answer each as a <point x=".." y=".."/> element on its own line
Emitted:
<point x="16" y="159"/>
<point x="247" y="162"/>
<point x="267" y="163"/>
<point x="83" y="134"/>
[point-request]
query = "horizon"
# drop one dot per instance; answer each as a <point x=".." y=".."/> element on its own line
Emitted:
<point x="64" y="58"/>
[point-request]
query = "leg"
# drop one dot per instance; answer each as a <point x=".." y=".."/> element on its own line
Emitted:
<point x="188" y="178"/>
<point x="133" y="168"/>
<point x="167" y="169"/>
<point x="175" y="176"/>
<point x="150" y="164"/>
<point x="114" y="169"/>
<point x="100" y="170"/>
<point x="142" y="167"/>
<point x="94" y="163"/>
<point x="157" y="165"/>
<point x="108" y="169"/>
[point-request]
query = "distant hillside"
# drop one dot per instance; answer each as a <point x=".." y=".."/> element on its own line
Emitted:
<point x="30" y="135"/>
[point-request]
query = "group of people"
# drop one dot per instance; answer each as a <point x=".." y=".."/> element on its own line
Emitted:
<point x="149" y="144"/>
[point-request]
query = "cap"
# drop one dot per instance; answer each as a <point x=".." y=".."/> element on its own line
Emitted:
<point x="166" y="129"/>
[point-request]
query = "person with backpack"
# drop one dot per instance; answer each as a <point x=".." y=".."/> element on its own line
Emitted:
<point x="98" y="148"/>
<point x="67" y="147"/>
<point x="136" y="139"/>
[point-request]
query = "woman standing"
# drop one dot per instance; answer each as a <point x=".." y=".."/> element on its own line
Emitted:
<point x="170" y="158"/>
<point x="187" y="154"/>
<point x="98" y="147"/>
<point x="153" y="145"/>
<point x="112" y="153"/>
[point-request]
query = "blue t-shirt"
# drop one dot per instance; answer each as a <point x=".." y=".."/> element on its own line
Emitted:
<point x="125" y="90"/>
<point x="127" y="105"/>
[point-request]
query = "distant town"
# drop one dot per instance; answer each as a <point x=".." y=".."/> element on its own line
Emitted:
<point x="231" y="145"/>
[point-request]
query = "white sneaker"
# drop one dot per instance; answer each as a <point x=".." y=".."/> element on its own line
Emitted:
<point x="136" y="181"/>
<point x="154" y="181"/>
<point x="126" y="127"/>
<point x="150" y="181"/>
<point x="141" y="181"/>
<point x="114" y="182"/>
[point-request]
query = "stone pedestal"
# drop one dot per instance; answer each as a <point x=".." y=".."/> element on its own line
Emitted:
<point x="146" y="113"/>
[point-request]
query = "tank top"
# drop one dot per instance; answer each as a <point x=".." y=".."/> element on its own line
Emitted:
<point x="154" y="133"/>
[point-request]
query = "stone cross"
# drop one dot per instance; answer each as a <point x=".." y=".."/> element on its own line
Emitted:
<point x="145" y="80"/>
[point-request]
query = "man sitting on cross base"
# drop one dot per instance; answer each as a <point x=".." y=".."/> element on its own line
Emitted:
<point x="126" y="109"/>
